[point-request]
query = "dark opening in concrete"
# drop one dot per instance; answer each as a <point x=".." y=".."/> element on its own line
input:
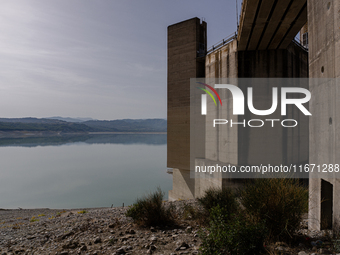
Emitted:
<point x="326" y="205"/>
<point x="328" y="5"/>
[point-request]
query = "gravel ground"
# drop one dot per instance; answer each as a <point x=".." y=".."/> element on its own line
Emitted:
<point x="107" y="231"/>
<point x="90" y="231"/>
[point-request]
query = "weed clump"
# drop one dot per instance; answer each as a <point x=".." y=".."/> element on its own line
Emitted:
<point x="232" y="234"/>
<point x="280" y="203"/>
<point x="224" y="198"/>
<point x="336" y="239"/>
<point x="34" y="219"/>
<point x="151" y="211"/>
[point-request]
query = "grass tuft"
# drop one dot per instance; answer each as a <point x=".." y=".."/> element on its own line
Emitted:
<point x="280" y="203"/>
<point x="232" y="234"/>
<point x="33" y="219"/>
<point x="150" y="211"/>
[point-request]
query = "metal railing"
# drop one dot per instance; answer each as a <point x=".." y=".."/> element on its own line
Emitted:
<point x="298" y="42"/>
<point x="224" y="41"/>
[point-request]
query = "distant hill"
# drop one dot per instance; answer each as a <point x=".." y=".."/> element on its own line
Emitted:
<point x="68" y="119"/>
<point x="59" y="125"/>
<point x="30" y="120"/>
<point x="34" y="124"/>
<point x="129" y="125"/>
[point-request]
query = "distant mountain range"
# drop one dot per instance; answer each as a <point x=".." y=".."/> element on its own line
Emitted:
<point x="84" y="125"/>
<point x="68" y="119"/>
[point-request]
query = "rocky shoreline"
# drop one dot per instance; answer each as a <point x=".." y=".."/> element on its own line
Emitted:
<point x="90" y="231"/>
<point x="108" y="231"/>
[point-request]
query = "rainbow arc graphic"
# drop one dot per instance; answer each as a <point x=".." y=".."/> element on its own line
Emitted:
<point x="204" y="97"/>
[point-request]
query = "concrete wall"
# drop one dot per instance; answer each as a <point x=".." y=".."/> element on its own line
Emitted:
<point x="288" y="63"/>
<point x="324" y="62"/>
<point x="273" y="145"/>
<point x="184" y="41"/>
<point x="221" y="146"/>
<point x="254" y="146"/>
<point x="222" y="63"/>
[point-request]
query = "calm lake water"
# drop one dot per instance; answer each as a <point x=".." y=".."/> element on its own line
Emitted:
<point x="81" y="171"/>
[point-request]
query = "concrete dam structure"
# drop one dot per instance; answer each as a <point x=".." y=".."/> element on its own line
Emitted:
<point x="263" y="47"/>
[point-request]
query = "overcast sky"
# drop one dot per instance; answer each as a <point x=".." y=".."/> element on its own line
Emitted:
<point x="105" y="59"/>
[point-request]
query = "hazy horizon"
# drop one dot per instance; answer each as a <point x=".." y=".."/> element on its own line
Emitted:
<point x="67" y="117"/>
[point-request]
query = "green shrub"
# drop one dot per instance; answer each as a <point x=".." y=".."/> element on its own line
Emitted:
<point x="336" y="245"/>
<point x="151" y="211"/>
<point x="233" y="234"/>
<point x="224" y="198"/>
<point x="336" y="239"/>
<point x="280" y="203"/>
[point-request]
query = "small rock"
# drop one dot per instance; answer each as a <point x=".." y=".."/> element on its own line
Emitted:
<point x="281" y="248"/>
<point x="324" y="251"/>
<point x="70" y="245"/>
<point x="281" y="244"/>
<point x="153" y="238"/>
<point x="97" y="240"/>
<point x="67" y="235"/>
<point x="302" y="253"/>
<point x="121" y="250"/>
<point x="183" y="246"/>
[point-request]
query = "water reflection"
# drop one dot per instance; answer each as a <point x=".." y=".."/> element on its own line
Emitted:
<point x="156" y="139"/>
<point x="81" y="171"/>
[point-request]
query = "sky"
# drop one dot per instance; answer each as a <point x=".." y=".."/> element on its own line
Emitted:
<point x="104" y="59"/>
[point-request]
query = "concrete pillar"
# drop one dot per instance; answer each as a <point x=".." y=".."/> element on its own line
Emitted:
<point x="324" y="62"/>
<point x="186" y="59"/>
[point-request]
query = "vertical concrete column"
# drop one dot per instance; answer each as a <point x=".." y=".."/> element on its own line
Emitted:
<point x="186" y="59"/>
<point x="324" y="62"/>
